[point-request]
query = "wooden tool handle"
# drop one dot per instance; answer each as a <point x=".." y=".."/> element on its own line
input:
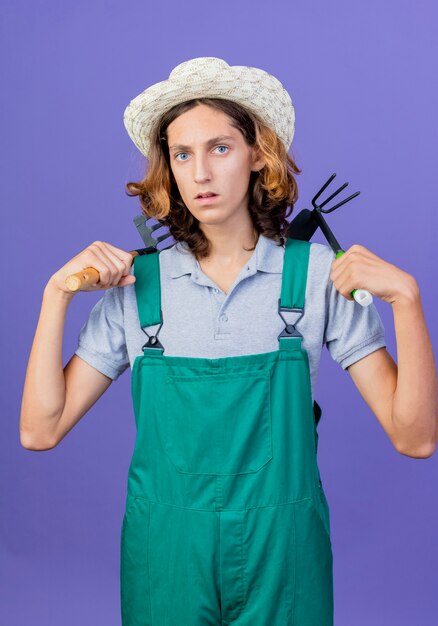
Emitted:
<point x="86" y="277"/>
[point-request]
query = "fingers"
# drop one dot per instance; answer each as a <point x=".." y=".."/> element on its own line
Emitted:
<point x="111" y="262"/>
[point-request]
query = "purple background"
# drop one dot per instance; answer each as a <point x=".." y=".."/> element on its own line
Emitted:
<point x="361" y="76"/>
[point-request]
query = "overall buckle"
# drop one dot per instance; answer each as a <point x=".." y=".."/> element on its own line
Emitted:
<point x="153" y="343"/>
<point x="289" y="330"/>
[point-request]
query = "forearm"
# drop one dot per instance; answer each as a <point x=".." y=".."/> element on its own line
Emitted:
<point x="44" y="388"/>
<point x="415" y="401"/>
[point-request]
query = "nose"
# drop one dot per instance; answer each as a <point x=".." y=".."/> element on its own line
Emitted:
<point x="201" y="169"/>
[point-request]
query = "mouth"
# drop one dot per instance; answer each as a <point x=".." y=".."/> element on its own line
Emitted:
<point x="207" y="199"/>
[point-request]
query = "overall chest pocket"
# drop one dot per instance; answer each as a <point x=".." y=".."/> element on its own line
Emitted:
<point x="218" y="423"/>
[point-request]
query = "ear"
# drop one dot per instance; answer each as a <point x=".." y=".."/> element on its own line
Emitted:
<point x="258" y="161"/>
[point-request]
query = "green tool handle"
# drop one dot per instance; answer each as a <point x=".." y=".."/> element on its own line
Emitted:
<point x="362" y="296"/>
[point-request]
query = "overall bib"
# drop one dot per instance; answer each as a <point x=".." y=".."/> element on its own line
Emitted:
<point x="226" y="520"/>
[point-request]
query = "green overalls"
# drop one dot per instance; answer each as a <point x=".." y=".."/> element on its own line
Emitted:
<point x="226" y="520"/>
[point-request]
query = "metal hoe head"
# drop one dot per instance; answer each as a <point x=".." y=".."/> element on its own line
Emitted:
<point x="304" y="225"/>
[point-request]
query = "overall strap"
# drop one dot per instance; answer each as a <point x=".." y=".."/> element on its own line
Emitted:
<point x="293" y="289"/>
<point x="293" y="292"/>
<point x="148" y="288"/>
<point x="294" y="280"/>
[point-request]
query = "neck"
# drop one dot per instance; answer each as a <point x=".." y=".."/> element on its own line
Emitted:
<point x="230" y="245"/>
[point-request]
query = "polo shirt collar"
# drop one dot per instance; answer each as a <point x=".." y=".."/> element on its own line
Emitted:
<point x="267" y="257"/>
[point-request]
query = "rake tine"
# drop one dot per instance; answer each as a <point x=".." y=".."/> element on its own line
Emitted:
<point x="339" y="204"/>
<point x="332" y="196"/>
<point x="323" y="188"/>
<point x="147" y="232"/>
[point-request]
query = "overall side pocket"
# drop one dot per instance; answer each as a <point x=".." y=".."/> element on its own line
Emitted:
<point x="134" y="564"/>
<point x="314" y="602"/>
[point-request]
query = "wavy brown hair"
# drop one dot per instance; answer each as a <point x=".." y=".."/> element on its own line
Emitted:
<point x="272" y="191"/>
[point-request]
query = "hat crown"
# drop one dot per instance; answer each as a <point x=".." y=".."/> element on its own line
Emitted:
<point x="192" y="66"/>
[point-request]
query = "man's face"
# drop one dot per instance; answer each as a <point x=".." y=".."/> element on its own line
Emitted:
<point x="200" y="164"/>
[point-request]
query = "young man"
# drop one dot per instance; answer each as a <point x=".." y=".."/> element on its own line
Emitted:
<point x="226" y="519"/>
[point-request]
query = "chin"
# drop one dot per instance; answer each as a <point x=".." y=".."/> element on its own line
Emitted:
<point x="211" y="215"/>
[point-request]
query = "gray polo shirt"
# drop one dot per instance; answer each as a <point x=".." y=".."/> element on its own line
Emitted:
<point x="200" y="320"/>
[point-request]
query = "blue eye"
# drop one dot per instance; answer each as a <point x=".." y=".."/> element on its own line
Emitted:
<point x="179" y="153"/>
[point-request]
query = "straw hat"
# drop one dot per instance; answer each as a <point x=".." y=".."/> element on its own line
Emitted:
<point x="212" y="77"/>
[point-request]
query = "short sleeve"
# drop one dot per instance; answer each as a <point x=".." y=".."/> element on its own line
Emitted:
<point x="351" y="331"/>
<point x="101" y="340"/>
